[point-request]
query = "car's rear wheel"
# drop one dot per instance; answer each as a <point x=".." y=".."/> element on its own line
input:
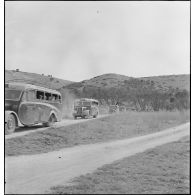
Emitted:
<point x="11" y="124"/>
<point x="51" y="121"/>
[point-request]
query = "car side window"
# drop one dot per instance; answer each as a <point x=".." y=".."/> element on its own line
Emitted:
<point x="40" y="95"/>
<point x="60" y="99"/>
<point x="54" y="98"/>
<point x="95" y="103"/>
<point x="48" y="96"/>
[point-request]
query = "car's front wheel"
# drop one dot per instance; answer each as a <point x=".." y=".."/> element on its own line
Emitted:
<point x="95" y="116"/>
<point x="11" y="124"/>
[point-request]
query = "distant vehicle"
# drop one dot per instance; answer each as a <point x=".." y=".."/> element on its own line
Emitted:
<point x="113" y="109"/>
<point x="27" y="105"/>
<point x="122" y="108"/>
<point x="131" y="108"/>
<point x="85" y="107"/>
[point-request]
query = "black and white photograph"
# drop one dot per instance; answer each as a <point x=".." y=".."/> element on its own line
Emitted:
<point x="97" y="97"/>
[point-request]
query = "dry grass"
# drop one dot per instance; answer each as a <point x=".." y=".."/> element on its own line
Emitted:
<point x="162" y="170"/>
<point x="113" y="127"/>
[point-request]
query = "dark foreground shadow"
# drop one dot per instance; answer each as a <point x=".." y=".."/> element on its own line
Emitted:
<point x="25" y="128"/>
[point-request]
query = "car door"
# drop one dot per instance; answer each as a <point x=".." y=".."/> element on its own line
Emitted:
<point x="28" y="108"/>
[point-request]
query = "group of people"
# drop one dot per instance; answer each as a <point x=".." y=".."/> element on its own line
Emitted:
<point x="51" y="98"/>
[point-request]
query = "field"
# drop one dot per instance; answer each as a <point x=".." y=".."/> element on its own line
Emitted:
<point x="113" y="127"/>
<point x="162" y="170"/>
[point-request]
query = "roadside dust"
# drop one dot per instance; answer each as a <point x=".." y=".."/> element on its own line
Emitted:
<point x="67" y="103"/>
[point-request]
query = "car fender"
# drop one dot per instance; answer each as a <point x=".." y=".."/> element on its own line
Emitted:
<point x="8" y="112"/>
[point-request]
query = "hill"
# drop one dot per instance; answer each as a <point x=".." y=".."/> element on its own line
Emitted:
<point x="153" y="93"/>
<point x="34" y="78"/>
<point x="106" y="80"/>
<point x="181" y="81"/>
<point x="115" y="80"/>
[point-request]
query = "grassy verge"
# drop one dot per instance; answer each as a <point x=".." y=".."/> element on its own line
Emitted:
<point x="162" y="170"/>
<point x="117" y="126"/>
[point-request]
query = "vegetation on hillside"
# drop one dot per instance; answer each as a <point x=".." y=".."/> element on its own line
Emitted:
<point x="136" y="94"/>
<point x="33" y="78"/>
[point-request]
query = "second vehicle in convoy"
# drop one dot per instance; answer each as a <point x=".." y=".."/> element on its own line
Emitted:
<point x="85" y="108"/>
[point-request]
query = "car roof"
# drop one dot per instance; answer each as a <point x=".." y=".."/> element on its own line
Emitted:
<point x="87" y="99"/>
<point x="25" y="86"/>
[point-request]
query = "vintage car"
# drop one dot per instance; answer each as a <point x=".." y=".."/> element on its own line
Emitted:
<point x="122" y="108"/>
<point x="85" y="107"/>
<point x="113" y="109"/>
<point x="27" y="104"/>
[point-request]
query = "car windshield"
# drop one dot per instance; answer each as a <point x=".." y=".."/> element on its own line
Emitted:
<point x="82" y="103"/>
<point x="12" y="94"/>
<point x="86" y="103"/>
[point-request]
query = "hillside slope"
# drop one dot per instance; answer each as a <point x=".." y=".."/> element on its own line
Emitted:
<point x="108" y="81"/>
<point x="181" y="81"/>
<point x="34" y="78"/>
<point x="102" y="81"/>
<point x="160" y="92"/>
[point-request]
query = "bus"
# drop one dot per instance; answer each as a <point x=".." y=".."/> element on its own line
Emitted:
<point x="85" y="107"/>
<point x="28" y="105"/>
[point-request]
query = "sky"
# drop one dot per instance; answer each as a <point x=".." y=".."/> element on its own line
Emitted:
<point x="79" y="40"/>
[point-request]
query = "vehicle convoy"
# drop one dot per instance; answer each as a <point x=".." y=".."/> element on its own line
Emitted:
<point x="85" y="107"/>
<point x="27" y="104"/>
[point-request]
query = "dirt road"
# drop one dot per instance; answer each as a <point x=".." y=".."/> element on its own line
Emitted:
<point x="37" y="173"/>
<point x="65" y="122"/>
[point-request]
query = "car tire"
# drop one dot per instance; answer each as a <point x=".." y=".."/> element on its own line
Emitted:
<point x="11" y="124"/>
<point x="95" y="116"/>
<point x="51" y="121"/>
